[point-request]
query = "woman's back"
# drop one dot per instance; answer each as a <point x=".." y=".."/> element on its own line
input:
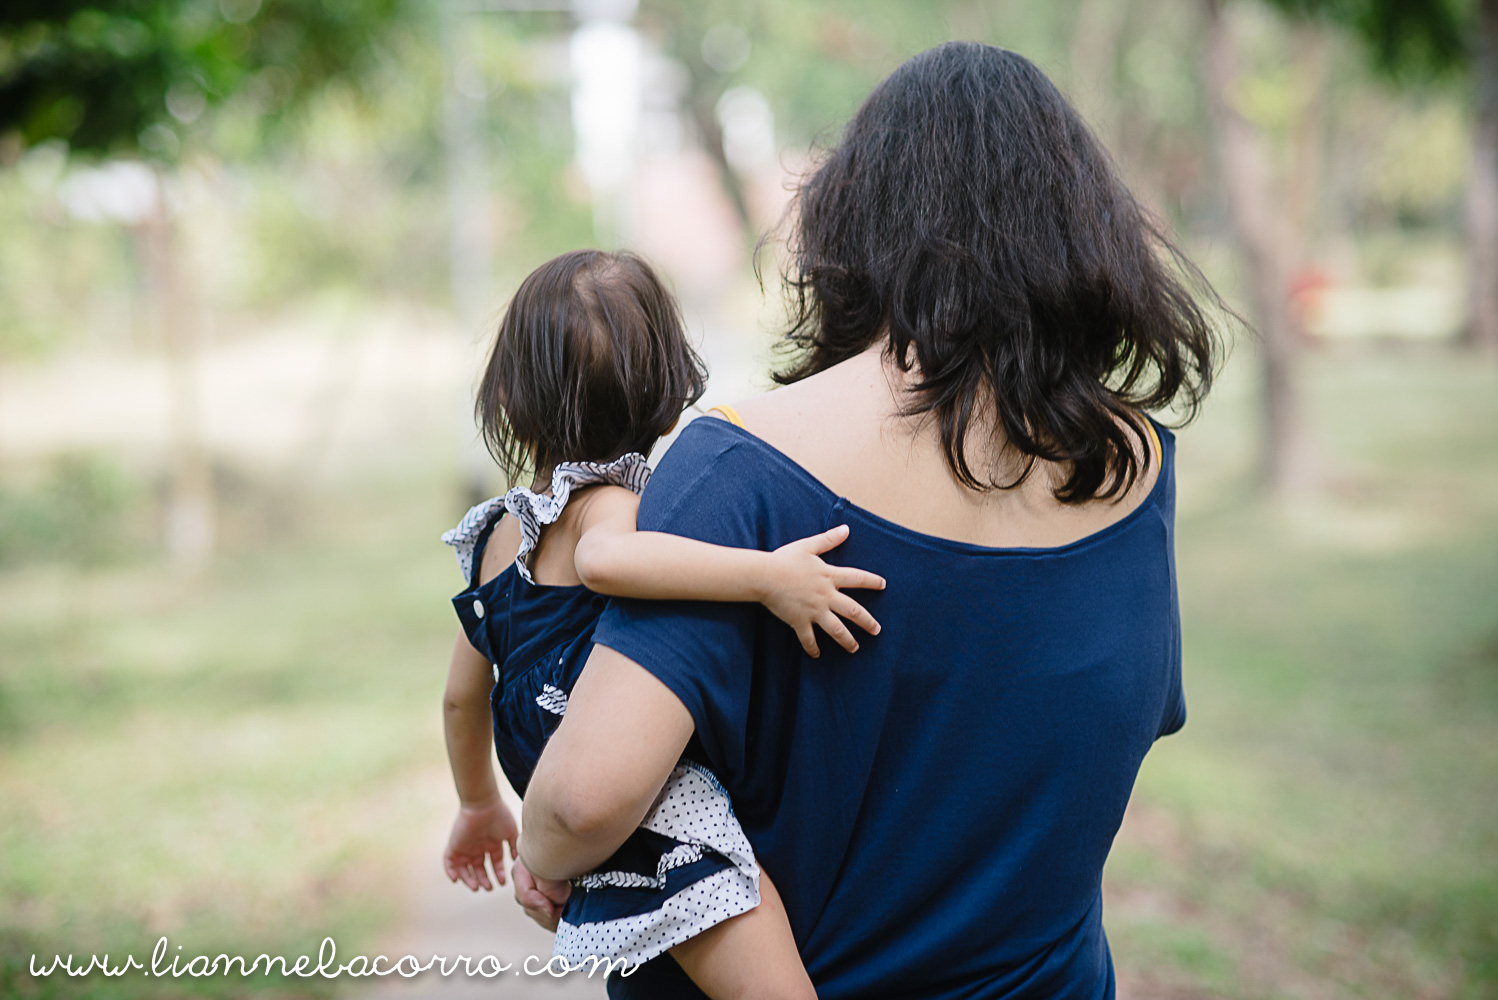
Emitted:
<point x="938" y="806"/>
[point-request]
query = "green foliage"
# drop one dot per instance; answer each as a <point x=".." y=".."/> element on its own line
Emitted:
<point x="1415" y="37"/>
<point x="818" y="61"/>
<point x="1408" y="39"/>
<point x="78" y="513"/>
<point x="127" y="75"/>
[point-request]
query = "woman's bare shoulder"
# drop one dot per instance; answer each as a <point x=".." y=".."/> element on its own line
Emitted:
<point x="840" y="398"/>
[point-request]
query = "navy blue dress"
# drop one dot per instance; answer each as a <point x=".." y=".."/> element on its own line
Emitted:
<point x="936" y="808"/>
<point x="689" y="865"/>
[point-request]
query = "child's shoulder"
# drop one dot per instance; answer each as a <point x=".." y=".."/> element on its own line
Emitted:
<point x="602" y="497"/>
<point x="500" y="552"/>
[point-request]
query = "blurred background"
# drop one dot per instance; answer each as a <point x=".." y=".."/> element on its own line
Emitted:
<point x="251" y="252"/>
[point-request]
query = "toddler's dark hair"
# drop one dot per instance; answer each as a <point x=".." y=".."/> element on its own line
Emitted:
<point x="591" y="362"/>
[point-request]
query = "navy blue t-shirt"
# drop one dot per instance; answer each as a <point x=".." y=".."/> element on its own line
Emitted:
<point x="936" y="808"/>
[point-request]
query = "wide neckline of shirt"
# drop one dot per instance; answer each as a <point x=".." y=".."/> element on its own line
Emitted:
<point x="921" y="538"/>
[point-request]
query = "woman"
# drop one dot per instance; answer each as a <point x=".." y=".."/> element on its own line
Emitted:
<point x="984" y="316"/>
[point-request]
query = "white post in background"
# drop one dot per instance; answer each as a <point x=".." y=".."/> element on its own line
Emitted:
<point x="607" y="75"/>
<point x="470" y="230"/>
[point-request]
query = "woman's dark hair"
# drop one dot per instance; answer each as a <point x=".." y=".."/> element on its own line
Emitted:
<point x="591" y="362"/>
<point x="970" y="218"/>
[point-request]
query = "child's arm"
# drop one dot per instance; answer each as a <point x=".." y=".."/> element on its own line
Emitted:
<point x="792" y="581"/>
<point x="484" y="824"/>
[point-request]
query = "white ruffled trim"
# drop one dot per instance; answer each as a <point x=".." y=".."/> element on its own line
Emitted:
<point x="535" y="511"/>
<point x="694" y="808"/>
<point x="465" y="537"/>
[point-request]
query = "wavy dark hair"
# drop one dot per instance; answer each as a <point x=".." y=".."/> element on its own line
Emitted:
<point x="970" y="218"/>
<point x="591" y="362"/>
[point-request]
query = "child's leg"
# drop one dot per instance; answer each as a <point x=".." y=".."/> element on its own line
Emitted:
<point x="748" y="956"/>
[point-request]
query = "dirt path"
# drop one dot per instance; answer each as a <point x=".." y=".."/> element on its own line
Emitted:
<point x="447" y="920"/>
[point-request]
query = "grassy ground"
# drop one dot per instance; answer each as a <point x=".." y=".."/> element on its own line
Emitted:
<point x="1327" y="824"/>
<point x="227" y="761"/>
<point x="231" y="762"/>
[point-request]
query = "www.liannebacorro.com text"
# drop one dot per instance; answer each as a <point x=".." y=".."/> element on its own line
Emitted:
<point x="163" y="963"/>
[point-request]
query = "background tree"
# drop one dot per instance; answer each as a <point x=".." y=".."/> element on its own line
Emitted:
<point x="1268" y="245"/>
<point x="1417" y="43"/>
<point x="1411" y="44"/>
<point x="136" y="78"/>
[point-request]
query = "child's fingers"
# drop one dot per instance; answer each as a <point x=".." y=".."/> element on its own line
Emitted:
<point x="545" y="916"/>
<point x="532" y="900"/>
<point x="556" y="891"/>
<point x="808" y="640"/>
<point x="538" y="906"/>
<point x="846" y="576"/>
<point x="497" y="859"/>
<point x="833" y="626"/>
<point x="855" y="613"/>
<point x="827" y="540"/>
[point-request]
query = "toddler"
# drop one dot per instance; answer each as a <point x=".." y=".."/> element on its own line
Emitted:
<point x="590" y="367"/>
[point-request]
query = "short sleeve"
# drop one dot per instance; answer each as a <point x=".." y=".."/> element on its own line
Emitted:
<point x="703" y="652"/>
<point x="1174" y="716"/>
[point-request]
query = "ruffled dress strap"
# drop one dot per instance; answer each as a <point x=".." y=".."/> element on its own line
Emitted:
<point x="534" y="511"/>
<point x="471" y="532"/>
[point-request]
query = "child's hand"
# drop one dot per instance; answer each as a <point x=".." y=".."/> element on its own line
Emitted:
<point x="541" y="898"/>
<point x="480" y="832"/>
<point x="803" y="591"/>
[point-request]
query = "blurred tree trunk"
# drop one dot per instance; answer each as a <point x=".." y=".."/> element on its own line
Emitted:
<point x="470" y="245"/>
<point x="189" y="526"/>
<point x="702" y="106"/>
<point x="1482" y="185"/>
<point x="1303" y="185"/>
<point x="1267" y="246"/>
<point x="1095" y="42"/>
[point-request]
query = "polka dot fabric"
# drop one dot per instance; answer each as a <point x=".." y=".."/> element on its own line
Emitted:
<point x="695" y="813"/>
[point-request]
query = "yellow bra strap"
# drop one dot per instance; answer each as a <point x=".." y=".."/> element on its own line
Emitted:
<point x="1154" y="436"/>
<point x="731" y="414"/>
